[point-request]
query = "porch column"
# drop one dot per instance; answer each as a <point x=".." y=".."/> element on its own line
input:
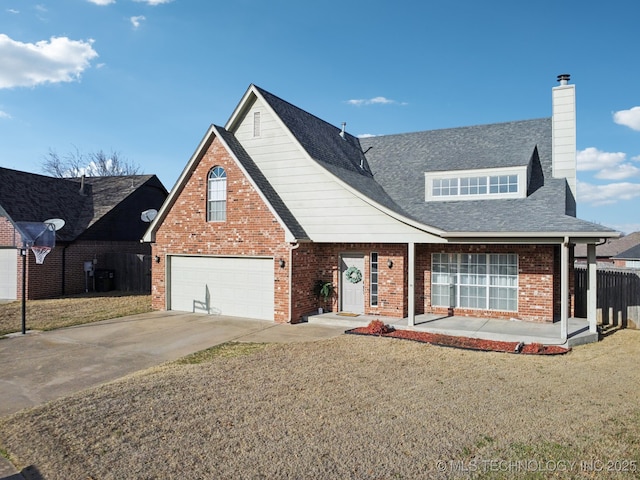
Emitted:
<point x="564" y="290"/>
<point x="592" y="285"/>
<point x="411" y="290"/>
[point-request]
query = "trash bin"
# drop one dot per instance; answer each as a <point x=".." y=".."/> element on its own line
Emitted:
<point x="104" y="280"/>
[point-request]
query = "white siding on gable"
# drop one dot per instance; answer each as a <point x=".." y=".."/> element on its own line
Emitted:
<point x="328" y="211"/>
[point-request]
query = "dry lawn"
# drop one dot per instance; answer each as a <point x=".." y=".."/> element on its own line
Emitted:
<point x="71" y="310"/>
<point x="352" y="407"/>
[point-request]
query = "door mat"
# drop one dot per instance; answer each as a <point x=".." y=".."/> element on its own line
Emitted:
<point x="347" y="314"/>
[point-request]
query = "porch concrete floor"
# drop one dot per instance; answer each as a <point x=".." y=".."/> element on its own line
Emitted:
<point x="486" y="329"/>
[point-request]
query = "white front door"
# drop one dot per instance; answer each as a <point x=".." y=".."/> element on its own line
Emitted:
<point x="352" y="283"/>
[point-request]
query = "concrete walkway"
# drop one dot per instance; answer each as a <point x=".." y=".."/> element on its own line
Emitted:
<point x="484" y="328"/>
<point x="42" y="366"/>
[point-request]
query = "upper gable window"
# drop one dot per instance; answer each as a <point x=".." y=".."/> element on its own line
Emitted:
<point x="217" y="195"/>
<point x="471" y="185"/>
<point x="256" y="124"/>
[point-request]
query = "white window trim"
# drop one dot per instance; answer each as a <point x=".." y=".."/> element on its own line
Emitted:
<point x="521" y="172"/>
<point x="487" y="284"/>
<point x="371" y="282"/>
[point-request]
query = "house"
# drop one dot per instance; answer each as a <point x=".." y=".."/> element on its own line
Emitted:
<point x="102" y="217"/>
<point x="609" y="251"/>
<point x="477" y="221"/>
<point x="630" y="258"/>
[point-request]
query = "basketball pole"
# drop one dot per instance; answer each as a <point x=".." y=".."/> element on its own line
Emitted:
<point x="24" y="290"/>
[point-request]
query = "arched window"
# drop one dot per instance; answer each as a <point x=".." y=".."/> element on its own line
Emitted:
<point x="217" y="195"/>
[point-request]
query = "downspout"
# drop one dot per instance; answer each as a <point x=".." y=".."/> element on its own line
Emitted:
<point x="564" y="290"/>
<point x="411" y="291"/>
<point x="293" y="247"/>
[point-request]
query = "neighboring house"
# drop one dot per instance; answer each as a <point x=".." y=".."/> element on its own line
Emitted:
<point x="609" y="251"/>
<point x="102" y="217"/>
<point x="477" y="221"/>
<point x="629" y="258"/>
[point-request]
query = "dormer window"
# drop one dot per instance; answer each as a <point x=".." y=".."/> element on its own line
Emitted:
<point x="217" y="195"/>
<point x="475" y="185"/>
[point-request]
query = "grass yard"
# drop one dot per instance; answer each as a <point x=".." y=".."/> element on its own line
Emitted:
<point x="71" y="310"/>
<point x="353" y="407"/>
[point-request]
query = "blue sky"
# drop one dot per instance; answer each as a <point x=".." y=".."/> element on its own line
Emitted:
<point x="146" y="78"/>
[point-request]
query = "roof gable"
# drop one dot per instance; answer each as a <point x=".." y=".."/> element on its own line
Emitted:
<point x="294" y="231"/>
<point x="81" y="204"/>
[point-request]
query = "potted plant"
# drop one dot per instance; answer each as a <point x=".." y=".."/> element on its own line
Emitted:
<point x="323" y="290"/>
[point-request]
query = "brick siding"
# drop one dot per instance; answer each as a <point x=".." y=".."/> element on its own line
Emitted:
<point x="250" y="229"/>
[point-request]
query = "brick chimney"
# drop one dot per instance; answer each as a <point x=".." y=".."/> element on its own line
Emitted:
<point x="564" y="134"/>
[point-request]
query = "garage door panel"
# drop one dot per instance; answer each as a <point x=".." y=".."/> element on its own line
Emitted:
<point x="227" y="286"/>
<point x="8" y="274"/>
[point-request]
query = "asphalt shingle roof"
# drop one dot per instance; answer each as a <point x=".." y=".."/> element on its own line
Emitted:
<point x="29" y="197"/>
<point x="613" y="247"/>
<point x="392" y="171"/>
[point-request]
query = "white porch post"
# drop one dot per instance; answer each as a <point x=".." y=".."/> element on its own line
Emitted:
<point x="564" y="290"/>
<point x="411" y="290"/>
<point x="592" y="282"/>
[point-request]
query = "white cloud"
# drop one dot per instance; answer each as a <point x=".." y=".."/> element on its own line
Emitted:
<point x="373" y="101"/>
<point x="57" y="60"/>
<point x="4" y="114"/>
<point x="135" y="21"/>
<point x="629" y="118"/>
<point x="13" y="10"/>
<point x="102" y="2"/>
<point x="593" y="159"/>
<point x="153" y="3"/>
<point x="619" y="172"/>
<point x="366" y="135"/>
<point x="607" y="194"/>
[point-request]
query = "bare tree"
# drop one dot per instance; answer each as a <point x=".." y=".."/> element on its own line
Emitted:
<point x="95" y="164"/>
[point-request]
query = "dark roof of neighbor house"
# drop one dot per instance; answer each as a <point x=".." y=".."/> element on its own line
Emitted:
<point x="390" y="170"/>
<point x="612" y="248"/>
<point x="631" y="254"/>
<point x="35" y="198"/>
<point x="263" y="184"/>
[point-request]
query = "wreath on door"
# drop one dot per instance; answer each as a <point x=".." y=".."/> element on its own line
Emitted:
<point x="353" y="274"/>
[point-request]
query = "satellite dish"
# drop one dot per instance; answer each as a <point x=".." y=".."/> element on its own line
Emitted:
<point x="56" y="223"/>
<point x="148" y="215"/>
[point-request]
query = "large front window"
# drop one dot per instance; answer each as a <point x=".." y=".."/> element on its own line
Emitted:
<point x="475" y="281"/>
<point x="217" y="195"/>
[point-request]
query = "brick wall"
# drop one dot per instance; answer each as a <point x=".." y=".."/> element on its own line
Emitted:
<point x="538" y="292"/>
<point x="313" y="262"/>
<point x="249" y="230"/>
<point x="65" y="264"/>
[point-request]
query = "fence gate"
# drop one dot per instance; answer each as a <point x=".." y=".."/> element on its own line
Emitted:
<point x="132" y="272"/>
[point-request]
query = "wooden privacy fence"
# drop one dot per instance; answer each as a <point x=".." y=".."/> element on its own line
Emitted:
<point x="131" y="271"/>
<point x="618" y="296"/>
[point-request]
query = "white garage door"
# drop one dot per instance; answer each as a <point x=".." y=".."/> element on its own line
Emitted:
<point x="8" y="273"/>
<point x="241" y="287"/>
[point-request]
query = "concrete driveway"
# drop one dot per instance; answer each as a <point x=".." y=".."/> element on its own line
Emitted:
<point x="42" y="366"/>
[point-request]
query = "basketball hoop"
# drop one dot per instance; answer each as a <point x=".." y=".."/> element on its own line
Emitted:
<point x="40" y="251"/>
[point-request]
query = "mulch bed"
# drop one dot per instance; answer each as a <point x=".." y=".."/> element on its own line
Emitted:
<point x="378" y="328"/>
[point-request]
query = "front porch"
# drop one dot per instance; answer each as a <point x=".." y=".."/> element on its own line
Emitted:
<point x="483" y="328"/>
